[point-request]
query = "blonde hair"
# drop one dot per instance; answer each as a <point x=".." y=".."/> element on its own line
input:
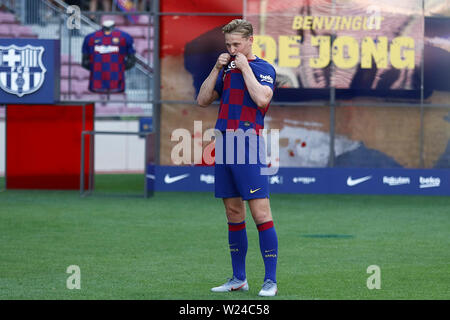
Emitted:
<point x="241" y="26"/>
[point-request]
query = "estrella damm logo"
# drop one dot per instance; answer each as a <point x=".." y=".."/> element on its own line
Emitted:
<point x="21" y="69"/>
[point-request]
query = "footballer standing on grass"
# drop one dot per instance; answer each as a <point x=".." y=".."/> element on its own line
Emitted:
<point x="244" y="83"/>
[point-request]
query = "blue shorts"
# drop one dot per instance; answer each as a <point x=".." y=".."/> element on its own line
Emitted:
<point x="238" y="167"/>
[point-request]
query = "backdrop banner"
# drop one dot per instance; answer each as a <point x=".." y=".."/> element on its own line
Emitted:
<point x="316" y="180"/>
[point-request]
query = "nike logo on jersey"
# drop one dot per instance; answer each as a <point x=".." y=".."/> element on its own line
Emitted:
<point x="168" y="179"/>
<point x="253" y="191"/>
<point x="353" y="182"/>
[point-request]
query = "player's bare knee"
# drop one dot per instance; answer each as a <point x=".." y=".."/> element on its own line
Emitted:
<point x="261" y="217"/>
<point x="235" y="214"/>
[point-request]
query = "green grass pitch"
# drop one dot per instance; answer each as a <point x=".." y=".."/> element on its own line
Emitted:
<point x="174" y="245"/>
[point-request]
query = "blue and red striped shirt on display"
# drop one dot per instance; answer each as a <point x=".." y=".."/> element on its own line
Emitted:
<point x="237" y="109"/>
<point x="107" y="55"/>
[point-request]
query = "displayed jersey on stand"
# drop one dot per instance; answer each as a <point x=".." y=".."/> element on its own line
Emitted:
<point x="107" y="53"/>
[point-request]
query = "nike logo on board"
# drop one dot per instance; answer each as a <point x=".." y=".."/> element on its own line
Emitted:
<point x="168" y="179"/>
<point x="353" y="182"/>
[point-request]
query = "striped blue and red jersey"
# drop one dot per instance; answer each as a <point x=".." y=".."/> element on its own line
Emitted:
<point x="237" y="109"/>
<point x="107" y="55"/>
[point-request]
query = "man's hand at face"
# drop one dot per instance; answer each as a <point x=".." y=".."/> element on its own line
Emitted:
<point x="241" y="61"/>
<point x="222" y="60"/>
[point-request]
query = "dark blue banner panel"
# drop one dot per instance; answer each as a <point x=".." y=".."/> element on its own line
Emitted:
<point x="316" y="180"/>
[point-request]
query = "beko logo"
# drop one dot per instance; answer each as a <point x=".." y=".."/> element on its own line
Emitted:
<point x="430" y="182"/>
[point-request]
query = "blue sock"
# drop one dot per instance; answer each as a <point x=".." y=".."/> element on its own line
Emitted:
<point x="237" y="239"/>
<point x="268" y="243"/>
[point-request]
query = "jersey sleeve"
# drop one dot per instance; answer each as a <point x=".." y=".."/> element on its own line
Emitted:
<point x="267" y="76"/>
<point x="219" y="83"/>
<point x="85" y="47"/>
<point x="130" y="45"/>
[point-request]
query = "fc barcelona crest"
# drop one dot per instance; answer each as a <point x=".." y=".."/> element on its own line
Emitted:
<point x="21" y="69"/>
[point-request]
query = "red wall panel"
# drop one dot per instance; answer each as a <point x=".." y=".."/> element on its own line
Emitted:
<point x="218" y="6"/>
<point x="176" y="31"/>
<point x="43" y="145"/>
